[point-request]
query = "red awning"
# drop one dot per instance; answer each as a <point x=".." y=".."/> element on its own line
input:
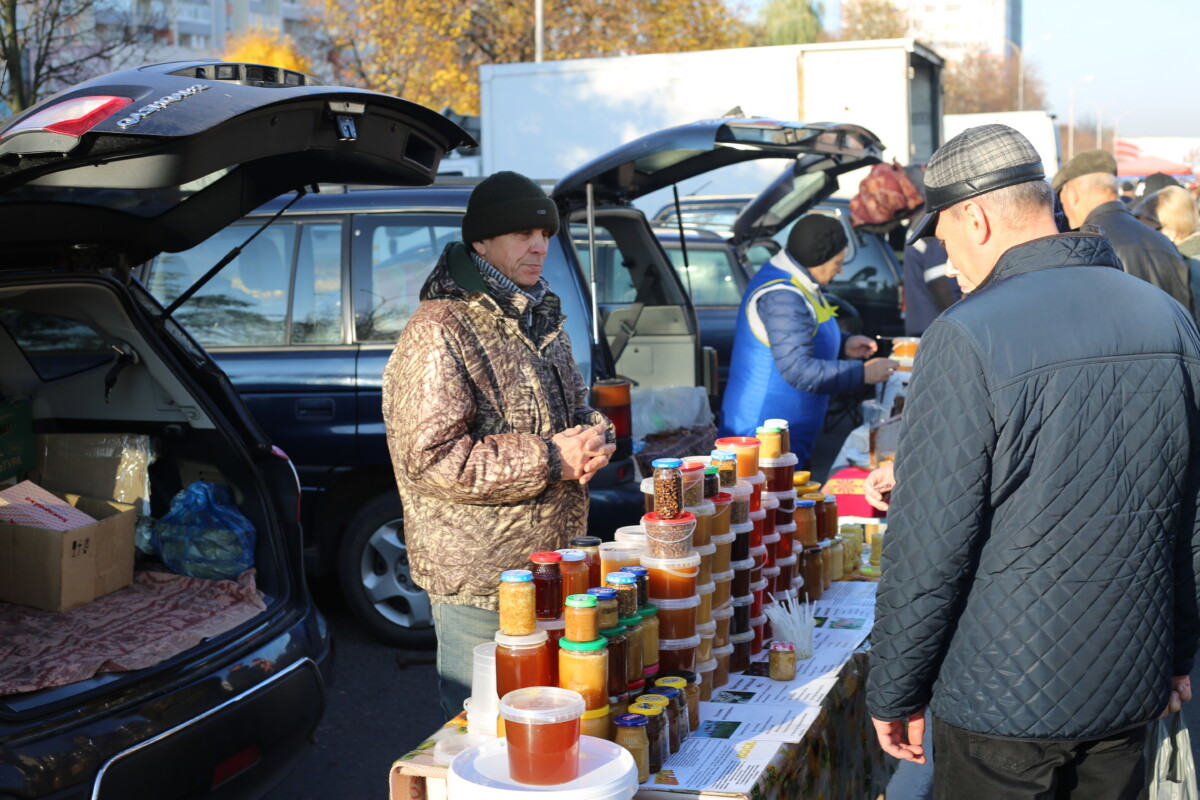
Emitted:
<point x="1148" y="165"/>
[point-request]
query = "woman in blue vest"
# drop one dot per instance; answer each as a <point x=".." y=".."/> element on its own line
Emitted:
<point x="789" y="355"/>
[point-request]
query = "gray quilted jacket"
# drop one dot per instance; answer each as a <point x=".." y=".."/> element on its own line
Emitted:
<point x="1041" y="556"/>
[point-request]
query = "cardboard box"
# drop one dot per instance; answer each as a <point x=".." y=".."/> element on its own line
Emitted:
<point x="60" y="570"/>
<point x="108" y="466"/>
<point x="16" y="438"/>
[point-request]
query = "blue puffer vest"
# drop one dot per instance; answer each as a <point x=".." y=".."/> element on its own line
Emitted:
<point x="756" y="390"/>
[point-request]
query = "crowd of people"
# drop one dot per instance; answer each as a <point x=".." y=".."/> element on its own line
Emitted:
<point x="1038" y="604"/>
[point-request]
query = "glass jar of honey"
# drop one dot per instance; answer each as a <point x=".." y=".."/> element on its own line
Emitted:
<point x="582" y="619"/>
<point x="583" y="668"/>
<point x="518" y="615"/>
<point x="547" y="583"/>
<point x="576" y="577"/>
<point x="606" y="605"/>
<point x="521" y="661"/>
<point x="590" y="545"/>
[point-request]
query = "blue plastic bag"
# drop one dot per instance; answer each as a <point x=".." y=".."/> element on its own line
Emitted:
<point x="204" y="535"/>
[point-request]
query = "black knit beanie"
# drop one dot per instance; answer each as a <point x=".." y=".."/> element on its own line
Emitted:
<point x="507" y="202"/>
<point x="815" y="239"/>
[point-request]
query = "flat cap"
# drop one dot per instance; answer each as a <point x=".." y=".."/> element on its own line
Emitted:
<point x="1084" y="163"/>
<point x="977" y="161"/>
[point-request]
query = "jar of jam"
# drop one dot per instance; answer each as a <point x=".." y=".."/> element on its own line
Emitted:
<point x="518" y="616"/>
<point x="726" y="463"/>
<point x="574" y="570"/>
<point x="590" y="545"/>
<point x="606" y="605"/>
<point x="547" y="583"/>
<point x="631" y="734"/>
<point x="582" y="618"/>
<point x="625" y="583"/>
<point x="618" y="657"/>
<point x="781" y="663"/>
<point x="668" y="487"/>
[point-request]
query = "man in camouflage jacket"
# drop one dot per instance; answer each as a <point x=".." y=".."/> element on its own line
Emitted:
<point x="488" y="423"/>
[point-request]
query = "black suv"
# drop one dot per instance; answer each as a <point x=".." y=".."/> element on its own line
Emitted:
<point x="94" y="182"/>
<point x="304" y="319"/>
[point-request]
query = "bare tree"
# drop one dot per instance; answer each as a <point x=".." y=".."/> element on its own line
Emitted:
<point x="983" y="82"/>
<point x="48" y="45"/>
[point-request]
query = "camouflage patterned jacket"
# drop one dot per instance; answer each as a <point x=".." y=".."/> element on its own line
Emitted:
<point x="469" y="407"/>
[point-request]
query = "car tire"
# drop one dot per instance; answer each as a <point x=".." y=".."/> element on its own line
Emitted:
<point x="376" y="580"/>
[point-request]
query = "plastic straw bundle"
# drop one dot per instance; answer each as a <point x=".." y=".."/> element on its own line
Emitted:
<point x="792" y="621"/>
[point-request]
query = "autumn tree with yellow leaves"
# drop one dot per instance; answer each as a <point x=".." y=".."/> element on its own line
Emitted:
<point x="262" y="46"/>
<point x="430" y="53"/>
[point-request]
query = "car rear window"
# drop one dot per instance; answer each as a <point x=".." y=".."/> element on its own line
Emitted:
<point x="284" y="288"/>
<point x="56" y="346"/>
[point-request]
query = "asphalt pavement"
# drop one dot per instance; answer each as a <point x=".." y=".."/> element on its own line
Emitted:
<point x="382" y="704"/>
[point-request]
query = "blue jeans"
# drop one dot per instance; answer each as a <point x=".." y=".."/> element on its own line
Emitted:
<point x="459" y="630"/>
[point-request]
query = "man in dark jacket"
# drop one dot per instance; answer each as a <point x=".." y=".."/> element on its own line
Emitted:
<point x="1039" y="583"/>
<point x="1087" y="186"/>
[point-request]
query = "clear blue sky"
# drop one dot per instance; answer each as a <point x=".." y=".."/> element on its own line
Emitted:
<point x="1143" y="56"/>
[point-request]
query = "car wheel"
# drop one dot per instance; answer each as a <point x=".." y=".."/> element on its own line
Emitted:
<point x="376" y="579"/>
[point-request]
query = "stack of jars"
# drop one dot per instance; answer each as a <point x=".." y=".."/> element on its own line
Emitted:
<point x="522" y="653"/>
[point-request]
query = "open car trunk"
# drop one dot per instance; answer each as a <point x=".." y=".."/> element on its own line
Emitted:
<point x="93" y="371"/>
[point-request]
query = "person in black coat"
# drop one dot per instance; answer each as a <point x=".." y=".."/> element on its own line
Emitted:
<point x="1039" y="589"/>
<point x="1087" y="186"/>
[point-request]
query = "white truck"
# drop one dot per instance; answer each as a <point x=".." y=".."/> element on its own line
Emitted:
<point x="1039" y="127"/>
<point x="545" y="119"/>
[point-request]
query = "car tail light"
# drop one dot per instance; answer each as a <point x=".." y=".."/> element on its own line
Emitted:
<point x="235" y="765"/>
<point x="611" y="398"/>
<point x="73" y="117"/>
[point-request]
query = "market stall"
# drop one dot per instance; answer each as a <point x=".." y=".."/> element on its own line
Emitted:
<point x="689" y="644"/>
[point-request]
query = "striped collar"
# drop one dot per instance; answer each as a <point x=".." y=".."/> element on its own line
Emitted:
<point x="535" y="293"/>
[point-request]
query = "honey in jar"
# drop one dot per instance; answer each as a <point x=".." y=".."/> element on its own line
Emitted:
<point x="547" y="583"/>
<point x="582" y="618"/>
<point x="517" y="603"/>
<point x="576" y="577"/>
<point x="521" y="661"/>
<point x="583" y="668"/>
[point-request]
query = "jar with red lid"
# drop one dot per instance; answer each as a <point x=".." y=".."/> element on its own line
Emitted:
<point x="576" y="577"/>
